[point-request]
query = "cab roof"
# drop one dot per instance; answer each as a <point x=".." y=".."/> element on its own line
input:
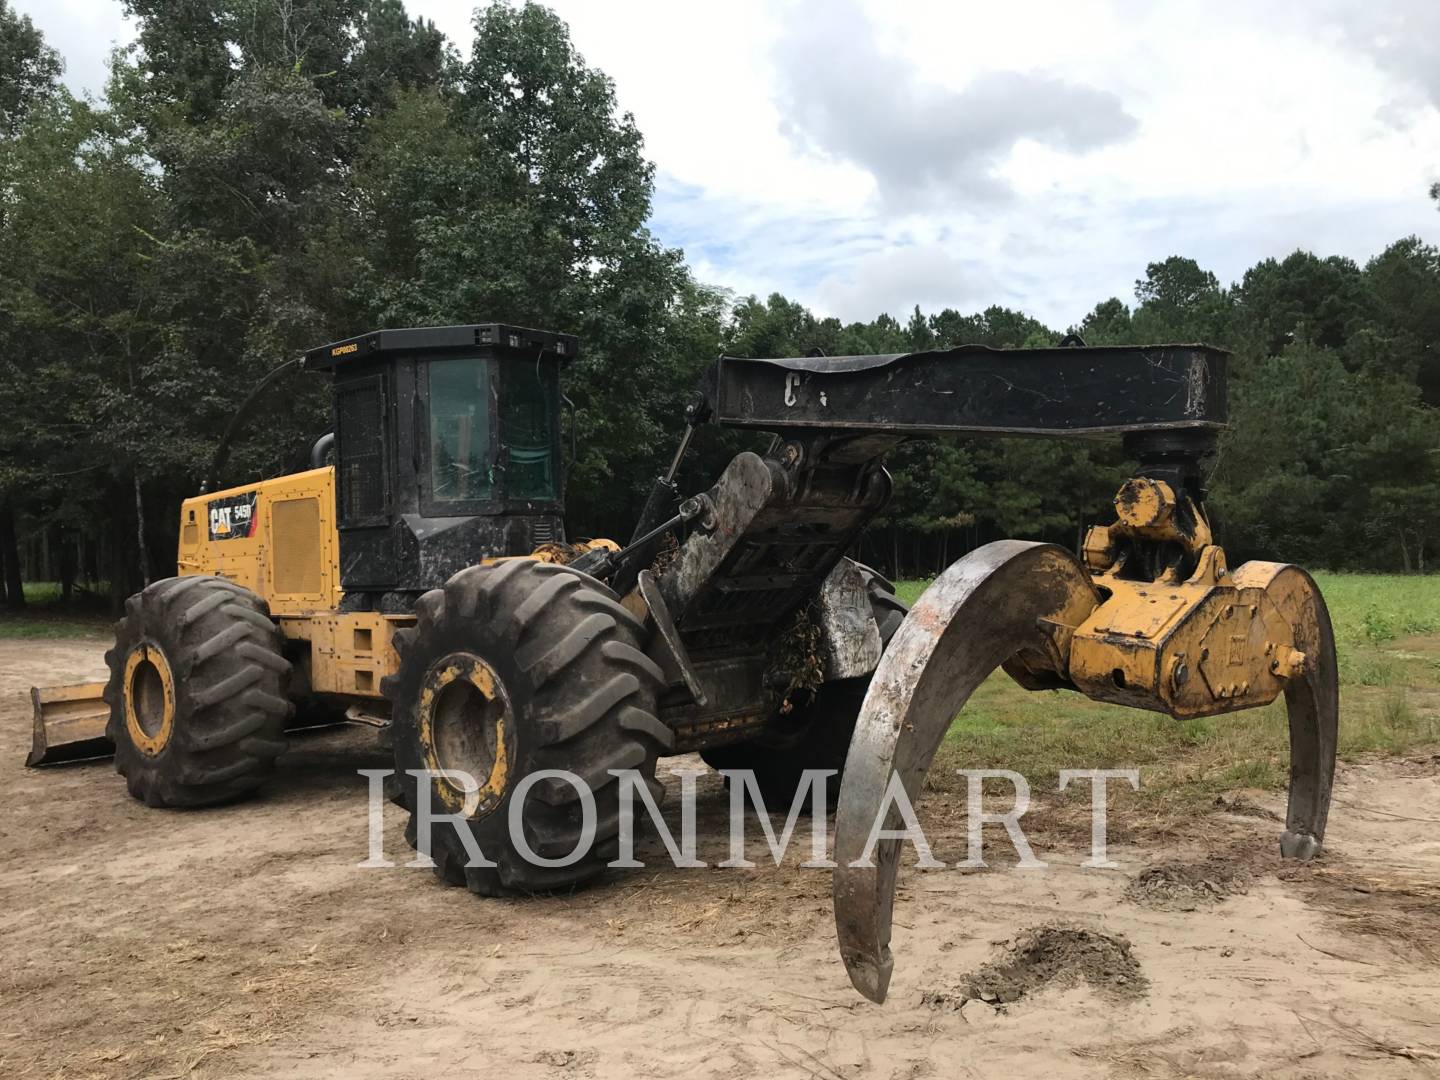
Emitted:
<point x="492" y="339"/>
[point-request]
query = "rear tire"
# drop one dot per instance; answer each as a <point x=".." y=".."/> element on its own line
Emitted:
<point x="197" y="692"/>
<point x="510" y="669"/>
<point x="889" y="610"/>
<point x="815" y="735"/>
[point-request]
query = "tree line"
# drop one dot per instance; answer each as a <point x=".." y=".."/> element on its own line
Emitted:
<point x="266" y="175"/>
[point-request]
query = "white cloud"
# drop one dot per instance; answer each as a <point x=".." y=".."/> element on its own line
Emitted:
<point x="84" y="32"/>
<point x="841" y="94"/>
<point x="932" y="275"/>
<point x="1402" y="37"/>
<point x="848" y="156"/>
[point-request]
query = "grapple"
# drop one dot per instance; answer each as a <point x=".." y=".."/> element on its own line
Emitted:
<point x="1151" y="619"/>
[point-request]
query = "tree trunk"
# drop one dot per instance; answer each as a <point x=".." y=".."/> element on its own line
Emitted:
<point x="10" y="556"/>
<point x="67" y="566"/>
<point x="115" y="553"/>
<point x="90" y="561"/>
<point x="140" y="533"/>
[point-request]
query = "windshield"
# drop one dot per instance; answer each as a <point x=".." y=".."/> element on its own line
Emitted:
<point x="460" y="463"/>
<point x="527" y="402"/>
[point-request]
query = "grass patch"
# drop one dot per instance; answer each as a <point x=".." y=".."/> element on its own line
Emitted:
<point x="42" y="592"/>
<point x="47" y="626"/>
<point x="1375" y="609"/>
<point x="45" y="617"/>
<point x="1387" y="631"/>
<point x="909" y="591"/>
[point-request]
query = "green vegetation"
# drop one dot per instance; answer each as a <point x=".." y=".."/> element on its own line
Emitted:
<point x="46" y="616"/>
<point x="40" y="626"/>
<point x="1375" y="609"/>
<point x="261" y="179"/>
<point x="1387" y="632"/>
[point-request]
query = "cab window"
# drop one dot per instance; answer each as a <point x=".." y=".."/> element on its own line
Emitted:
<point x="527" y="405"/>
<point x="460" y="460"/>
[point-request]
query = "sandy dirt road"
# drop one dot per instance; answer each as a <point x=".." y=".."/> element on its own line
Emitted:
<point x="245" y="942"/>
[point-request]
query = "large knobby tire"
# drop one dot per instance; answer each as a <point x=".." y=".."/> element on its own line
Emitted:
<point x="815" y="734"/>
<point x="197" y="692"/>
<point x="889" y="610"/>
<point x="510" y="669"/>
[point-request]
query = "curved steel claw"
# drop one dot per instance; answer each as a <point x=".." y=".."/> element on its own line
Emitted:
<point x="1312" y="700"/>
<point x="980" y="612"/>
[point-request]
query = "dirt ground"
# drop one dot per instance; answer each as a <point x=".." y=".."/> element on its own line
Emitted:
<point x="245" y="942"/>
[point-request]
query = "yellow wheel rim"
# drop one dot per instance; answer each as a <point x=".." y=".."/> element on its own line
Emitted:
<point x="465" y="725"/>
<point x="149" y="699"/>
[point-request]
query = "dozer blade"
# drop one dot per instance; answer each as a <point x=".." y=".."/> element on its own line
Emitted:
<point x="69" y="724"/>
<point x="978" y="613"/>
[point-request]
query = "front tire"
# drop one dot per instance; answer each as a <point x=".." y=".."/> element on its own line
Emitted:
<point x="197" y="692"/>
<point x="510" y="669"/>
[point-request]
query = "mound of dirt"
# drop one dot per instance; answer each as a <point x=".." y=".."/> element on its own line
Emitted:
<point x="1185" y="886"/>
<point x="1050" y="956"/>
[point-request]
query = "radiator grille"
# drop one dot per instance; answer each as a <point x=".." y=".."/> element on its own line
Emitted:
<point x="295" y="534"/>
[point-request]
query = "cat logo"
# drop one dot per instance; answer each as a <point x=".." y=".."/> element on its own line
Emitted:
<point x="341" y="350"/>
<point x="232" y="517"/>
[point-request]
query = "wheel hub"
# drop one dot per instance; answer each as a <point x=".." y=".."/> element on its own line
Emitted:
<point x="149" y="699"/>
<point x="466" y="727"/>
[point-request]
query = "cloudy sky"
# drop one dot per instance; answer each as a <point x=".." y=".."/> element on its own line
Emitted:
<point x="867" y="156"/>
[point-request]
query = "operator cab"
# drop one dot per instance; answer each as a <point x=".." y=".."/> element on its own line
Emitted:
<point x="447" y="452"/>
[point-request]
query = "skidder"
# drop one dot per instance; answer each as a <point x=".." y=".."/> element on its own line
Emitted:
<point x="417" y="578"/>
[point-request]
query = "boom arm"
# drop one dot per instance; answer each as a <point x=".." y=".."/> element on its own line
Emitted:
<point x="786" y="521"/>
<point x="976" y="390"/>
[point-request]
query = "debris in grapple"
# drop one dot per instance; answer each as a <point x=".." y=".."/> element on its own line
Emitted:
<point x="560" y="554"/>
<point x="669" y="550"/>
<point x="798" y="657"/>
